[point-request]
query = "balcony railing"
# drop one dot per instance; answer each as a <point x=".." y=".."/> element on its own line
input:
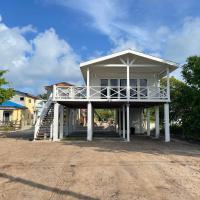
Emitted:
<point x="110" y="93"/>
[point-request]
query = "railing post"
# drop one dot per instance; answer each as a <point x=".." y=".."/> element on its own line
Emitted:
<point x="148" y="92"/>
<point x="108" y="92"/>
<point x="118" y="91"/>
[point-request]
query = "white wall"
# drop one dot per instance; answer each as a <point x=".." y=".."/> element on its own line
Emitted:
<point x="1" y="115"/>
<point x="120" y="73"/>
<point x="96" y="74"/>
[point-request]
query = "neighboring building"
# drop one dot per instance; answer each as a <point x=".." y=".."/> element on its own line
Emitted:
<point x="20" y="110"/>
<point x="127" y="81"/>
<point x="49" y="88"/>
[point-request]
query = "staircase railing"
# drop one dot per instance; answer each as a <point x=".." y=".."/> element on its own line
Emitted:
<point x="42" y="115"/>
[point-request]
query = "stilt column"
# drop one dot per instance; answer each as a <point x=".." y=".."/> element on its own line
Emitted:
<point x="61" y="121"/>
<point x="148" y="122"/>
<point x="128" y="122"/>
<point x="166" y="117"/>
<point x="55" y="121"/>
<point x="157" y="122"/>
<point x="124" y="122"/>
<point x="119" y="122"/>
<point x="89" y="121"/>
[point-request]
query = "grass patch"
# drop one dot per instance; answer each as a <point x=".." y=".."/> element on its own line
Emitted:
<point x="7" y="128"/>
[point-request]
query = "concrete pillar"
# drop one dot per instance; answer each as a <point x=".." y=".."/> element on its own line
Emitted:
<point x="148" y="122"/>
<point x="128" y="121"/>
<point x="90" y="120"/>
<point x="51" y="131"/>
<point x="61" y="118"/>
<point x="124" y="131"/>
<point x="157" y="122"/>
<point x="141" y="120"/>
<point x="67" y="122"/>
<point x="119" y="122"/>
<point x="166" y="117"/>
<point x="55" y="121"/>
<point x="70" y="121"/>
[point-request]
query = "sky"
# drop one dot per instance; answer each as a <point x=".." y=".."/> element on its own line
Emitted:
<point x="43" y="41"/>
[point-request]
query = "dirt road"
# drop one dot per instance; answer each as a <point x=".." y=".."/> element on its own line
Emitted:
<point x="142" y="169"/>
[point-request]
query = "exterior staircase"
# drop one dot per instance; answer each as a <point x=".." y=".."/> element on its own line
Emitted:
<point x="43" y="123"/>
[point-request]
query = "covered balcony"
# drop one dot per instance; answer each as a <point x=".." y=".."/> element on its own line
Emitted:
<point x="111" y="93"/>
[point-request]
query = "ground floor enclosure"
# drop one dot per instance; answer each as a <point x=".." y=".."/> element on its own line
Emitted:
<point x="74" y="118"/>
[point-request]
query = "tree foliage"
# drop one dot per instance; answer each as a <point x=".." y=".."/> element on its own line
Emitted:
<point x="105" y="114"/>
<point x="191" y="119"/>
<point x="191" y="72"/>
<point x="177" y="105"/>
<point x="185" y="100"/>
<point x="5" y="93"/>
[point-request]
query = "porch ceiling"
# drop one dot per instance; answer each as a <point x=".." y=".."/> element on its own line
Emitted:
<point x="109" y="104"/>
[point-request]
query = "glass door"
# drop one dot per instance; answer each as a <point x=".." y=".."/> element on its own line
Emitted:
<point x="123" y="85"/>
<point x="104" y="85"/>
<point x="133" y="88"/>
<point x="114" y="88"/>
<point x="143" y="88"/>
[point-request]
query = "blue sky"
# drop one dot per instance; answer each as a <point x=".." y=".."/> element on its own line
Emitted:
<point x="43" y="41"/>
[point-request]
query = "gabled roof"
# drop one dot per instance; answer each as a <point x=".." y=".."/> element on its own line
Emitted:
<point x="58" y="84"/>
<point x="26" y="94"/>
<point x="128" y="51"/>
<point x="12" y="104"/>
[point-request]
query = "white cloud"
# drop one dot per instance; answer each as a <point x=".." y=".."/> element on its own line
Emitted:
<point x="112" y="18"/>
<point x="185" y="41"/>
<point x="106" y="16"/>
<point x="32" y="64"/>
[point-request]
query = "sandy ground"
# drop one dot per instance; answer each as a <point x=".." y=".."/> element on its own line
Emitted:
<point x="103" y="169"/>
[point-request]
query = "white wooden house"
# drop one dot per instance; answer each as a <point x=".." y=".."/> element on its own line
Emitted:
<point x="128" y="81"/>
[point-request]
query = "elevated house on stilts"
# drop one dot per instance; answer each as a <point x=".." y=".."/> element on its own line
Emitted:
<point x="127" y="81"/>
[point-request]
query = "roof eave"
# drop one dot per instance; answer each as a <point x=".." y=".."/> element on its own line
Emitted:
<point x="90" y="62"/>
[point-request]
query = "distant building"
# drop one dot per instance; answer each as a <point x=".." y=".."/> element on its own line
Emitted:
<point x="19" y="111"/>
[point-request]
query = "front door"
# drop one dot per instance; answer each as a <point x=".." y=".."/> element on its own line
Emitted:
<point x="143" y="88"/>
<point x="123" y="85"/>
<point x="6" y="116"/>
<point x="133" y="88"/>
<point x="113" y="88"/>
<point x="104" y="85"/>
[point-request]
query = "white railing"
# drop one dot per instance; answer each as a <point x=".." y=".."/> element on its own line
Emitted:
<point x="107" y="92"/>
<point x="42" y="115"/>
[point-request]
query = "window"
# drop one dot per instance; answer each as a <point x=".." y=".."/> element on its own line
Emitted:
<point x="104" y="84"/>
<point x="114" y="88"/>
<point x="123" y="85"/>
<point x="21" y="98"/>
<point x="29" y="100"/>
<point x="143" y="88"/>
<point x="133" y="88"/>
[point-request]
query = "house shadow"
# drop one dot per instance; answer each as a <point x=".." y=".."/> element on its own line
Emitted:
<point x="19" y="135"/>
<point x="45" y="187"/>
<point x="139" y="144"/>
